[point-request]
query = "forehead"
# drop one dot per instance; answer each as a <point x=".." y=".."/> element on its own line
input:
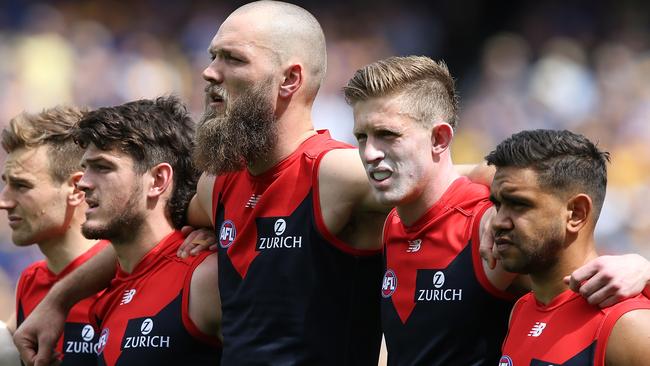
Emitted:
<point x="381" y="112"/>
<point x="27" y="163"/>
<point x="514" y="179"/>
<point x="114" y="155"/>
<point x="240" y="31"/>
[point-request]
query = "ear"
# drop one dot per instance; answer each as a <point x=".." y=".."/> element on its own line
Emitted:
<point x="75" y="195"/>
<point x="292" y="81"/>
<point x="162" y="176"/>
<point x="441" y="136"/>
<point x="579" y="208"/>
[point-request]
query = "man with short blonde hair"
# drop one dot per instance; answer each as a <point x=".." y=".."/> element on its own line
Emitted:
<point x="45" y="207"/>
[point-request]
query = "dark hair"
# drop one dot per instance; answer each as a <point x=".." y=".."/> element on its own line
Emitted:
<point x="151" y="132"/>
<point x="52" y="128"/>
<point x="563" y="160"/>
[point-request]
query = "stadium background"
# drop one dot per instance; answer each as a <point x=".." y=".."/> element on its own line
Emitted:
<point x="584" y="66"/>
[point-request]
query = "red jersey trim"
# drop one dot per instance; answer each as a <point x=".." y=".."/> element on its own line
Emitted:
<point x="320" y="223"/>
<point x="610" y="320"/>
<point x="477" y="261"/>
<point x="513" y="315"/>
<point x="189" y="324"/>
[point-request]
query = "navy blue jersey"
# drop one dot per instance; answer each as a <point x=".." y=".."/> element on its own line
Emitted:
<point x="438" y="307"/>
<point x="291" y="292"/>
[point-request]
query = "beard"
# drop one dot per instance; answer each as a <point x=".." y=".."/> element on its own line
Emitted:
<point x="245" y="134"/>
<point x="539" y="253"/>
<point x="123" y="226"/>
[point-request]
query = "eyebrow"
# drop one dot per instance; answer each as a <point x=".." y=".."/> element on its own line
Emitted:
<point x="14" y="179"/>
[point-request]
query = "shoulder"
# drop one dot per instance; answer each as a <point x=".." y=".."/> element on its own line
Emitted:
<point x="628" y="341"/>
<point x="32" y="270"/>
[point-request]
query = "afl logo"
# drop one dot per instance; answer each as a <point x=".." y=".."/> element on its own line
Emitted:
<point x="227" y="234"/>
<point x="103" y="339"/>
<point x="438" y="279"/>
<point x="389" y="284"/>
<point x="87" y="333"/>
<point x="147" y="326"/>
<point x="505" y="361"/>
<point x="279" y="227"/>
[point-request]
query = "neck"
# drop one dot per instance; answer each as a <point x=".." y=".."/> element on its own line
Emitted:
<point x="132" y="249"/>
<point x="443" y="176"/>
<point x="549" y="283"/>
<point x="294" y="127"/>
<point x="62" y="250"/>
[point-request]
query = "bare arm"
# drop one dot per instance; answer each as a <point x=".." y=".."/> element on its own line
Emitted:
<point x="199" y="212"/>
<point x="349" y="208"/>
<point x="205" y="304"/>
<point x="629" y="340"/>
<point x="199" y="235"/>
<point x="37" y="335"/>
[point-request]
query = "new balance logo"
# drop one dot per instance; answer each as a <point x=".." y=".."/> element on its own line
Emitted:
<point x="253" y="200"/>
<point x="128" y="296"/>
<point x="414" y="245"/>
<point x="537" y="329"/>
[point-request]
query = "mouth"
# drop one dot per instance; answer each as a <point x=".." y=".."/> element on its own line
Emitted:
<point x="502" y="243"/>
<point x="92" y="205"/>
<point x="380" y="175"/>
<point x="14" y="220"/>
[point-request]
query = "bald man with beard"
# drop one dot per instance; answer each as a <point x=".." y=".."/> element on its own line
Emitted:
<point x="299" y="257"/>
<point x="298" y="228"/>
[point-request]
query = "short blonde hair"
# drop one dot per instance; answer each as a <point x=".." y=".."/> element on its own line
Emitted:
<point x="52" y="128"/>
<point x="426" y="87"/>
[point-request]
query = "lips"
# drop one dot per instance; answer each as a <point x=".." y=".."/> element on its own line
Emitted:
<point x="14" y="220"/>
<point x="380" y="175"/>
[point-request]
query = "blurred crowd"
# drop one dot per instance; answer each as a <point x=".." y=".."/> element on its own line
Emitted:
<point x="519" y="65"/>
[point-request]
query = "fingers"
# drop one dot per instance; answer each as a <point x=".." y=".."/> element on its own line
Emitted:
<point x="196" y="242"/>
<point x="583" y="274"/>
<point x="26" y="348"/>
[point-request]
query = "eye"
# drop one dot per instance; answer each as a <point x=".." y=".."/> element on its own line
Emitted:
<point x="361" y="137"/>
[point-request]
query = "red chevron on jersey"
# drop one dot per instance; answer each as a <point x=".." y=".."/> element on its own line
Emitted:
<point x="567" y="331"/>
<point x="436" y="298"/>
<point x="143" y="316"/>
<point x="77" y="344"/>
<point x="292" y="293"/>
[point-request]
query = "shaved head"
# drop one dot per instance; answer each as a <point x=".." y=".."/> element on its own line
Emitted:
<point x="292" y="33"/>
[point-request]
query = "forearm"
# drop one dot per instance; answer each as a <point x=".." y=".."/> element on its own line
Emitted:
<point x="88" y="279"/>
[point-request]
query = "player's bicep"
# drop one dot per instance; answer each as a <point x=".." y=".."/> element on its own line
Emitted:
<point x="199" y="211"/>
<point x="628" y="343"/>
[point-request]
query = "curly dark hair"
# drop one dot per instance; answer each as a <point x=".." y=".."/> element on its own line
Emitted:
<point x="151" y="132"/>
<point x="563" y="160"/>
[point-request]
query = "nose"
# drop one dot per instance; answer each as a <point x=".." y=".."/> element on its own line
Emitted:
<point x="501" y="221"/>
<point x="212" y="74"/>
<point x="84" y="184"/>
<point x="6" y="202"/>
<point x="371" y="151"/>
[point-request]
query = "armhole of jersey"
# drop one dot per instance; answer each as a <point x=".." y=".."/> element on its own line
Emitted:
<point x="18" y="295"/>
<point x="185" y="306"/>
<point x="607" y="325"/>
<point x="213" y="204"/>
<point x="513" y="314"/>
<point x="477" y="261"/>
<point x="384" y="230"/>
<point x="320" y="223"/>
